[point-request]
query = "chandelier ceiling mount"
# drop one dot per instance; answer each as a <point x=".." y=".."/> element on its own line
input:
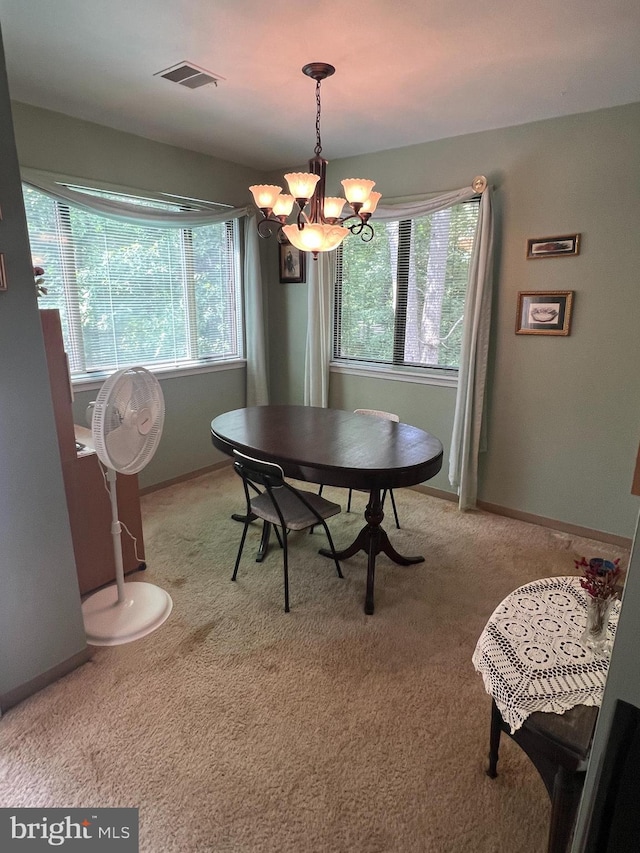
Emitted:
<point x="318" y="71"/>
<point x="319" y="225"/>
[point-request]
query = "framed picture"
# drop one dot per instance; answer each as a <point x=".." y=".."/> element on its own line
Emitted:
<point x="553" y="247"/>
<point x="291" y="264"/>
<point x="544" y="312"/>
<point x="3" y="277"/>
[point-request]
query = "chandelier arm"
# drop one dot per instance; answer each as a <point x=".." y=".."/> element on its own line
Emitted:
<point x="361" y="217"/>
<point x="362" y="230"/>
<point x="268" y="226"/>
<point x="302" y="219"/>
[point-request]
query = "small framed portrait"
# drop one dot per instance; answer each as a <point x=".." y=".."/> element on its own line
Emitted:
<point x="291" y="264"/>
<point x="553" y="247"/>
<point x="544" y="312"/>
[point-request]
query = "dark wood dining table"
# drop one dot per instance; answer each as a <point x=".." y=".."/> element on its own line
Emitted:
<point x="332" y="447"/>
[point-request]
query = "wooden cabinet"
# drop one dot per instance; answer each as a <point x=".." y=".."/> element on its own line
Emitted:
<point x="87" y="497"/>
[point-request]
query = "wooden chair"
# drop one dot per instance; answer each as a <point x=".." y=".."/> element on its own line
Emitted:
<point x="281" y="505"/>
<point x="558" y="746"/>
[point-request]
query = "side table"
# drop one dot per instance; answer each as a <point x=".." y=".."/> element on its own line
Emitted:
<point x="546" y="688"/>
<point x="558" y="746"/>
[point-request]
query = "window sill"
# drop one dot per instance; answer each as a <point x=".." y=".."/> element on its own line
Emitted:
<point x="444" y="378"/>
<point x="95" y="380"/>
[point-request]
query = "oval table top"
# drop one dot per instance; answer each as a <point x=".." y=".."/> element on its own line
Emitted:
<point x="331" y="446"/>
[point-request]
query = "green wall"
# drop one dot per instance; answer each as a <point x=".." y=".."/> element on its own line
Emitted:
<point x="40" y="619"/>
<point x="191" y="403"/>
<point x="57" y="143"/>
<point x="68" y="146"/>
<point x="563" y="412"/>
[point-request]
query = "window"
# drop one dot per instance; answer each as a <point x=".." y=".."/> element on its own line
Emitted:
<point x="399" y="299"/>
<point x="136" y="294"/>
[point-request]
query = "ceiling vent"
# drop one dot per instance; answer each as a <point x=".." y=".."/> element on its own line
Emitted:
<point x="189" y="75"/>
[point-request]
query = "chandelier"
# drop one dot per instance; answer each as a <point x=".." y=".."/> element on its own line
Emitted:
<point x="319" y="225"/>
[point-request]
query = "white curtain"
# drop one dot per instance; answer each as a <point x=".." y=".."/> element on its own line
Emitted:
<point x="321" y="274"/>
<point x="469" y="437"/>
<point x="127" y="211"/>
<point x="254" y="312"/>
<point x="407" y="210"/>
<point x="141" y="214"/>
<point x="468" y="417"/>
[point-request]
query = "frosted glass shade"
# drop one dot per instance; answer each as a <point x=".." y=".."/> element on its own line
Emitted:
<point x="302" y="184"/>
<point x="315" y="238"/>
<point x="357" y="189"/>
<point x="371" y="203"/>
<point x="333" y="207"/>
<point x="283" y="205"/>
<point x="265" y="195"/>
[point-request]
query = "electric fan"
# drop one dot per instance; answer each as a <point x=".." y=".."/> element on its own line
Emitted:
<point x="126" y="426"/>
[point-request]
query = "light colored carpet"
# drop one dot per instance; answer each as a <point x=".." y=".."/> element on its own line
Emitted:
<point x="237" y="728"/>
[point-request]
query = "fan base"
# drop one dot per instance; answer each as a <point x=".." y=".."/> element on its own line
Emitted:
<point x="108" y="622"/>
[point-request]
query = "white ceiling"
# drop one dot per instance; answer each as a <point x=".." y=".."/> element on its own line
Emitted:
<point x="408" y="71"/>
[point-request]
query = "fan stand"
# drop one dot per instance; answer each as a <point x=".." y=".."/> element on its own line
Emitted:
<point x="138" y="609"/>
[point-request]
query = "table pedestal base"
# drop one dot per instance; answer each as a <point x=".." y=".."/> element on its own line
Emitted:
<point x="372" y="539"/>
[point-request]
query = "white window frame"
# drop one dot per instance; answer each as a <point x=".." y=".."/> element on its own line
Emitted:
<point x="91" y="380"/>
<point x="422" y="375"/>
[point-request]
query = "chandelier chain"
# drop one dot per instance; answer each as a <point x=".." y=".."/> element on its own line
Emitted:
<point x="318" y="148"/>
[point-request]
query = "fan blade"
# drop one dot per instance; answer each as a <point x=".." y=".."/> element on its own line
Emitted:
<point x="122" y="391"/>
<point x="123" y="444"/>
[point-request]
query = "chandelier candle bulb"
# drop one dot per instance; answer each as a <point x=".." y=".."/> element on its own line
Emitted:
<point x="320" y="225"/>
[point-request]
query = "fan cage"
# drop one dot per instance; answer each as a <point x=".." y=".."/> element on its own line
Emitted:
<point x="122" y="395"/>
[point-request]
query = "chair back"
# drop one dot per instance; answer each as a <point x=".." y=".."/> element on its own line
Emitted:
<point x="279" y="505"/>
<point x="256" y="473"/>
<point x="269" y="475"/>
<point x="378" y="414"/>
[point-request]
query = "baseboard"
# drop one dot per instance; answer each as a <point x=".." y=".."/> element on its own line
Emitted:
<point x="184" y="477"/>
<point x="530" y="518"/>
<point x="435" y="493"/>
<point x="12" y="697"/>
<point x="496" y="509"/>
<point x="565" y="527"/>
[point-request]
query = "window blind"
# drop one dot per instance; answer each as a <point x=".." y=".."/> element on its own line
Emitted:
<point x="400" y="298"/>
<point x="135" y="294"/>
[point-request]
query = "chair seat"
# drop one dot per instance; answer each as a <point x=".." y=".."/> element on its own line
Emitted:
<point x="295" y="513"/>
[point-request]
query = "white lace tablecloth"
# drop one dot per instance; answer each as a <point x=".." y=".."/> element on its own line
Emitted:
<point x="530" y="655"/>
